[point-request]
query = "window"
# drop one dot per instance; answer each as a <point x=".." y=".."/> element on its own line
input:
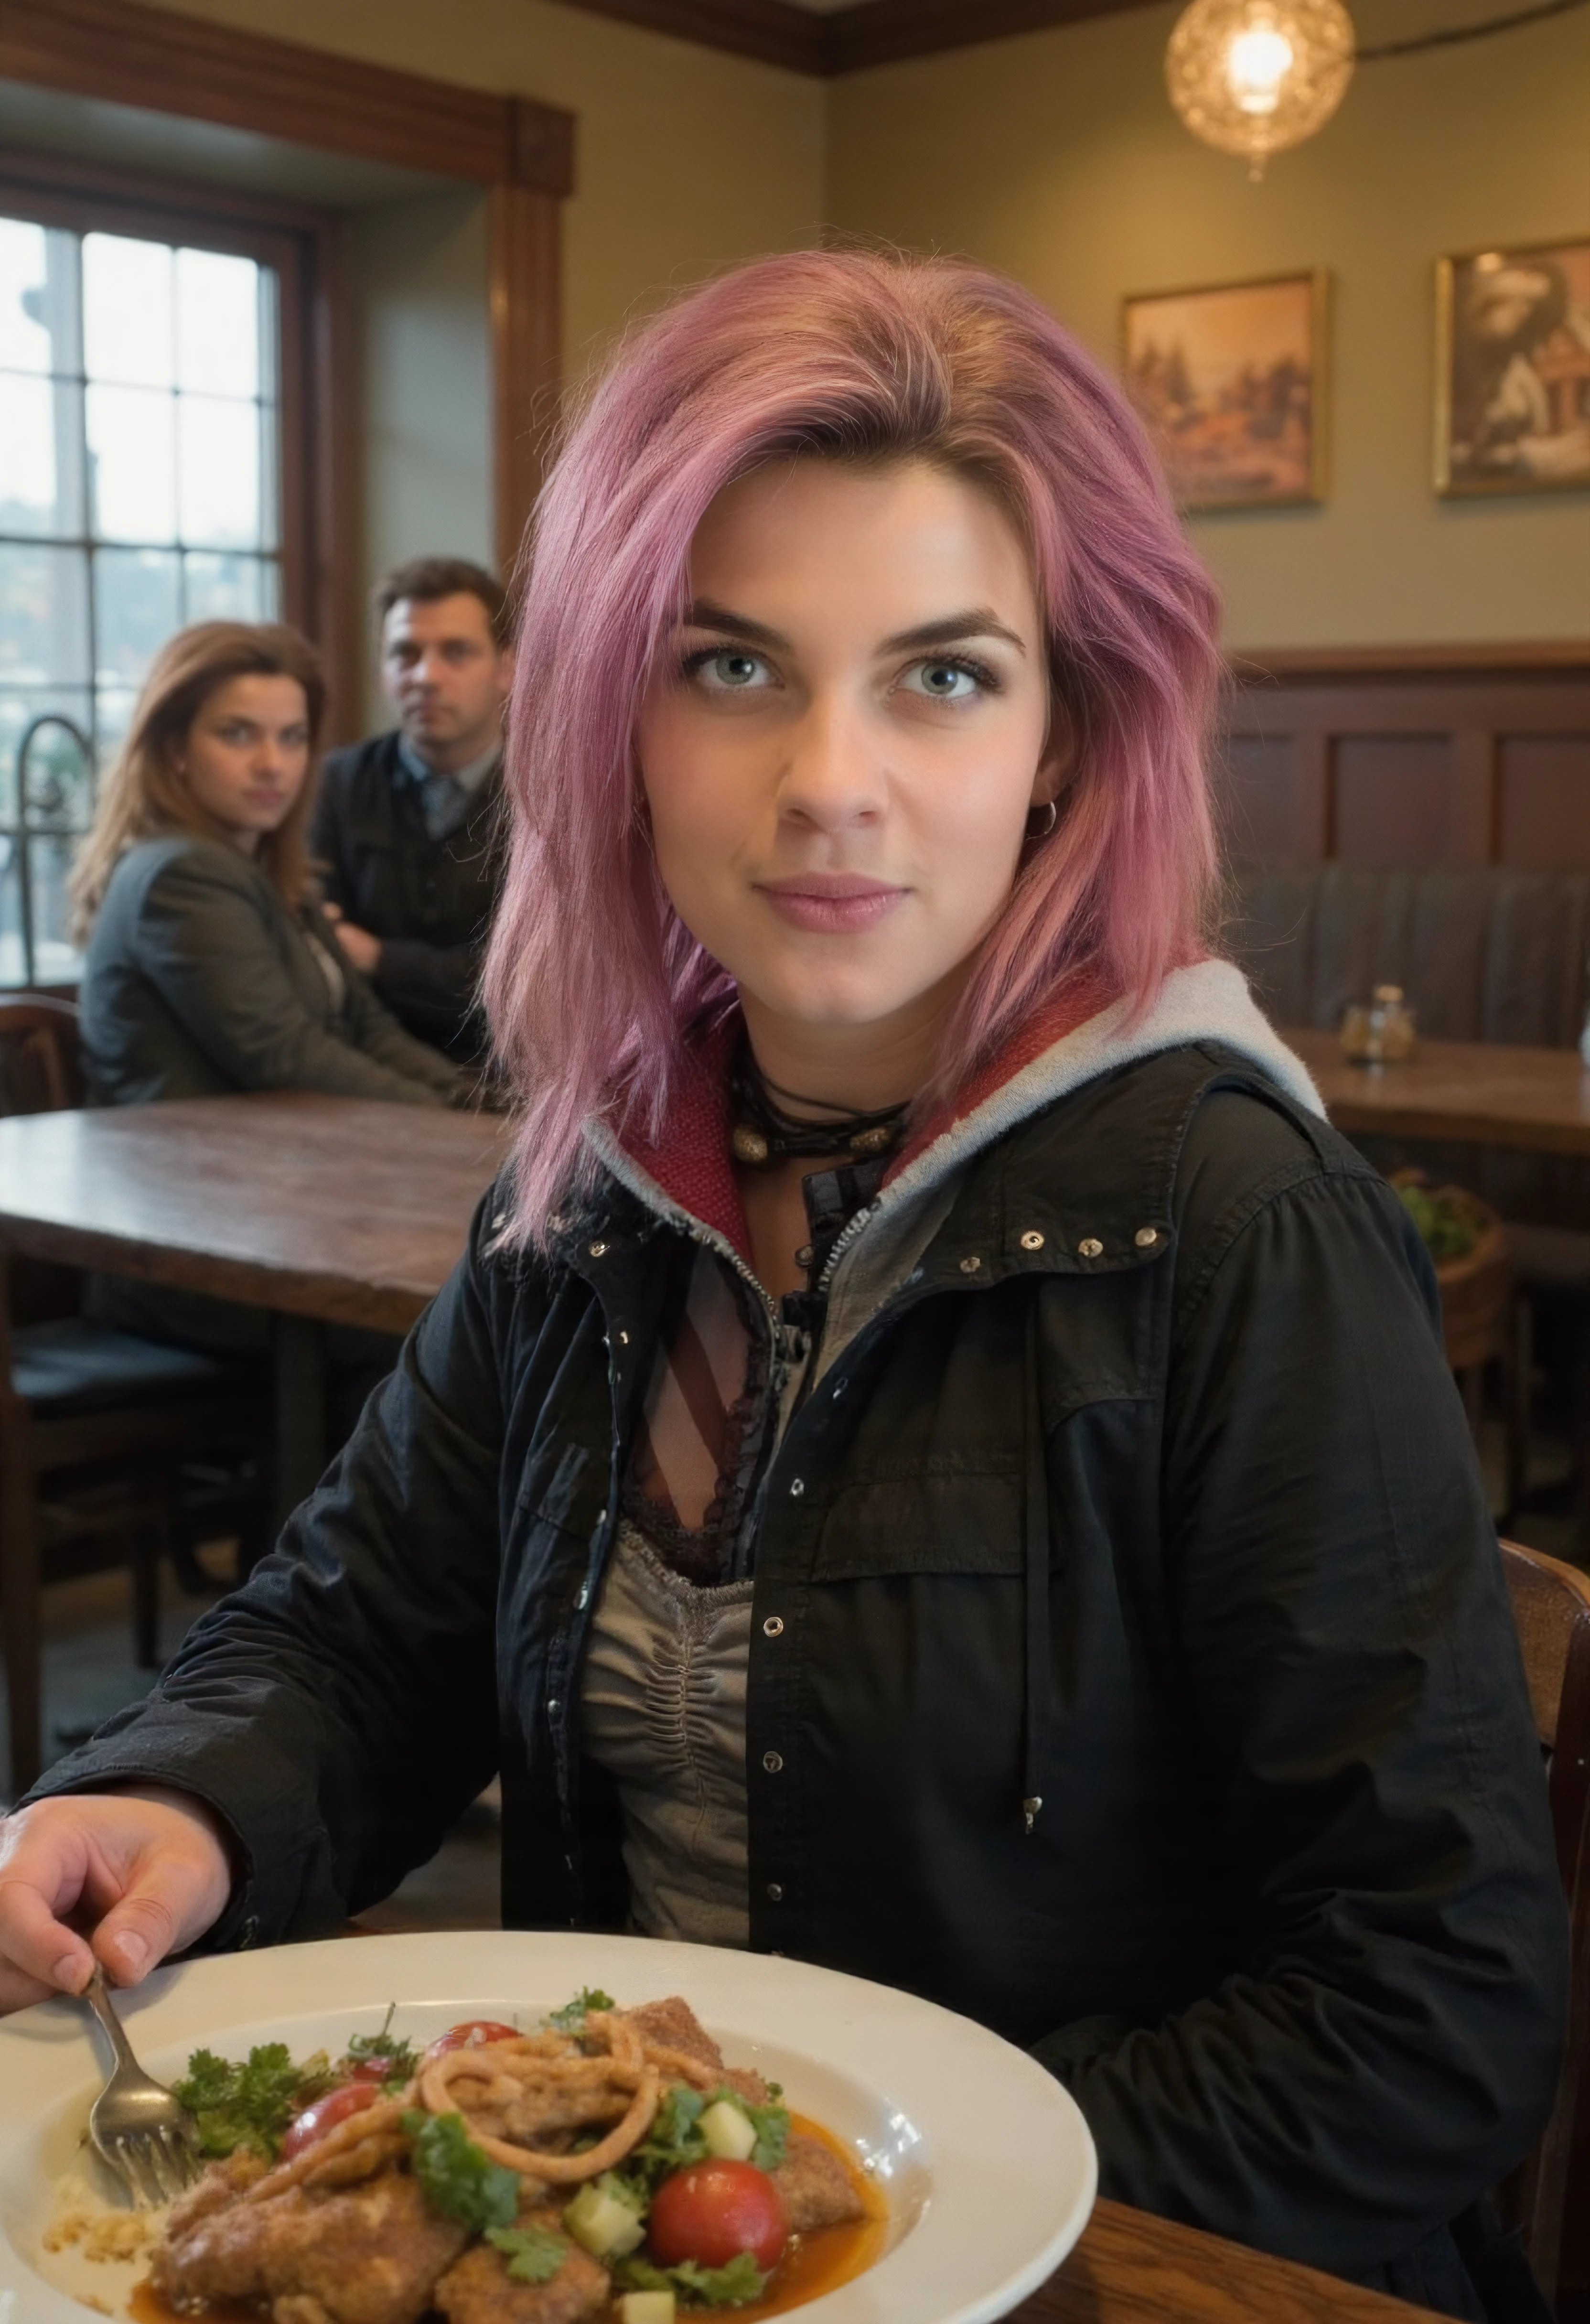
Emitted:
<point x="140" y="457"/>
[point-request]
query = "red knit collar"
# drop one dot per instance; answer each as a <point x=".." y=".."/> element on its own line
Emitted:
<point x="691" y="1163"/>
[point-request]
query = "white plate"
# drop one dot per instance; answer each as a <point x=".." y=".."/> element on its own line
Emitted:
<point x="986" y="2165"/>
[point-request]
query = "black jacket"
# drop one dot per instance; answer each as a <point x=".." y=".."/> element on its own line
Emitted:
<point x="429" y="900"/>
<point x="199" y="979"/>
<point x="1182" y="1536"/>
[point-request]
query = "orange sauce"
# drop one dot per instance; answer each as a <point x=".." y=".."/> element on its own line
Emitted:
<point x="812" y="2265"/>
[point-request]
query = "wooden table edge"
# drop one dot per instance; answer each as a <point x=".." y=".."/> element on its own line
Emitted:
<point x="328" y="1299"/>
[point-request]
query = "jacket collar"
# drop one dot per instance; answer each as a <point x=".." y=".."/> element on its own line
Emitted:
<point x="684" y="1178"/>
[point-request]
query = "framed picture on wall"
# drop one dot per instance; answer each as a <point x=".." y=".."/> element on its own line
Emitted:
<point x="1512" y="370"/>
<point x="1232" y="380"/>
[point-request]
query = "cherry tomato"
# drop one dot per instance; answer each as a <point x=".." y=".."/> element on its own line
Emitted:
<point x="710" y="2212"/>
<point x="324" y="2114"/>
<point x="472" y="2034"/>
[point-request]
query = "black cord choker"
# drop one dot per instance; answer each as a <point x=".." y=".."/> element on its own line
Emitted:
<point x="764" y="1133"/>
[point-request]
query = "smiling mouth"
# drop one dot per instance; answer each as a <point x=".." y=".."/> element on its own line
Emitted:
<point x="832" y="903"/>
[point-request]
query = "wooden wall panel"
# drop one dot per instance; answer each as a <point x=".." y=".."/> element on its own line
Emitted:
<point x="1544" y="801"/>
<point x="1437" y="763"/>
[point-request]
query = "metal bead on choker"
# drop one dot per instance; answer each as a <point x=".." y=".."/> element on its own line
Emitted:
<point x="764" y="1134"/>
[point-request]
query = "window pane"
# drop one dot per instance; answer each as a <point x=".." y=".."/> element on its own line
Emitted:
<point x="228" y="588"/>
<point x="43" y="616"/>
<point x="18" y="709"/>
<point x="127" y="334"/>
<point x="56" y="959"/>
<point x="136" y="607"/>
<point x="113" y="714"/>
<point x="132" y="463"/>
<point x="219" y="453"/>
<point x="38" y="298"/>
<point x="218" y="323"/>
<point x="41" y="455"/>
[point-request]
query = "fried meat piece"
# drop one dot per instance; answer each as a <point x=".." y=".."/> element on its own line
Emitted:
<point x="673" y="2025"/>
<point x="479" y="2289"/>
<point x="369" y="2254"/>
<point x="221" y="2184"/>
<point x="814" y="2186"/>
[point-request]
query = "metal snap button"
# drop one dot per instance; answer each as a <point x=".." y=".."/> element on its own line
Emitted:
<point x="598" y="1250"/>
<point x="1090" y="1248"/>
<point x="623" y="1339"/>
<point x="552" y="1708"/>
<point x="1032" y="1239"/>
<point x="773" y="1762"/>
<point x="797" y="1486"/>
<point x="805" y="1255"/>
<point x="1145" y="1238"/>
<point x="970" y="1265"/>
<point x="773" y="1628"/>
<point x="775" y="1893"/>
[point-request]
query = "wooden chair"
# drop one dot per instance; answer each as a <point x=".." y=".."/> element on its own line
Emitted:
<point x="1551" y="1606"/>
<point x="96" y="1424"/>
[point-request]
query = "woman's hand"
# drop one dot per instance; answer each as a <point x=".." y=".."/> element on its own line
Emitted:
<point x="144" y="1873"/>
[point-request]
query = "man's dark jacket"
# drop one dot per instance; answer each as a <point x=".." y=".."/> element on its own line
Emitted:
<point x="1168" y="1519"/>
<point x="429" y="900"/>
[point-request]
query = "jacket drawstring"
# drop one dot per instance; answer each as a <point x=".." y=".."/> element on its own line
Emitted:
<point x="1035" y="1530"/>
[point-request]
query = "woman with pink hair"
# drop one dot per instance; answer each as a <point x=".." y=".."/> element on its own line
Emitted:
<point x="936" y="1460"/>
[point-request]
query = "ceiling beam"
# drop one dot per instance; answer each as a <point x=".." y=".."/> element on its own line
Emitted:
<point x="875" y="32"/>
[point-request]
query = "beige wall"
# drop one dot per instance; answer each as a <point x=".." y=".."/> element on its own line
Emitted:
<point x="1057" y="157"/>
<point x="687" y="159"/>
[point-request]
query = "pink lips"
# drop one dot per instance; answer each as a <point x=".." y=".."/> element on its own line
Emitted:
<point x="831" y="903"/>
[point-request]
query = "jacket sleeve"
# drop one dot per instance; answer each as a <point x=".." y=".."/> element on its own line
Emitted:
<point x="1355" y="1703"/>
<point x="205" y="945"/>
<point x="433" y="984"/>
<point x="339" y="1710"/>
<point x="325" y="837"/>
<point x="378" y="1033"/>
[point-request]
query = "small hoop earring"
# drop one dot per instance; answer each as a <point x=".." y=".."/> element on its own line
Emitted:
<point x="1048" y="809"/>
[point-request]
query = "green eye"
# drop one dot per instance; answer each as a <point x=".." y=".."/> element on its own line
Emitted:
<point x="737" y="671"/>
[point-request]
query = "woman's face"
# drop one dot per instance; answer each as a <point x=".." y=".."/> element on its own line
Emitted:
<point x="845" y="740"/>
<point x="246" y="755"/>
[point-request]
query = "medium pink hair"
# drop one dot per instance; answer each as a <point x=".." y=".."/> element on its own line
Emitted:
<point x="594" y="984"/>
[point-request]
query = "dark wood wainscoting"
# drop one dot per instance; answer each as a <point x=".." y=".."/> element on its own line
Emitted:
<point x="1451" y="759"/>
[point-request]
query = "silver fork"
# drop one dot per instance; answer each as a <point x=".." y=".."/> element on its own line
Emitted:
<point x="145" y="2135"/>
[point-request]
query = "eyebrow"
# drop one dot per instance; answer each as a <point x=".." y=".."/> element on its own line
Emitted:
<point x="949" y="629"/>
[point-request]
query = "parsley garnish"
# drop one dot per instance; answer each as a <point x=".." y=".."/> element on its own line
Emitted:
<point x="399" y="2058"/>
<point x="705" y="2287"/>
<point x="534" y="2254"/>
<point x="250" y="2106"/>
<point x="571" y="2016"/>
<point x="457" y="2178"/>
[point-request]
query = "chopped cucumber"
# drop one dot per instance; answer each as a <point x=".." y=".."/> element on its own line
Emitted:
<point x="607" y="2227"/>
<point x="647" y="2308"/>
<point x="728" y="2131"/>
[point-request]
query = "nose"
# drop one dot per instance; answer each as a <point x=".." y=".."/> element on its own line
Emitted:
<point x="833" y="777"/>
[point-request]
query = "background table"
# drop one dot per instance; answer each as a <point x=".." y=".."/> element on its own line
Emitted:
<point x="1483" y="1092"/>
<point x="1131" y="2269"/>
<point x="324" y="1210"/>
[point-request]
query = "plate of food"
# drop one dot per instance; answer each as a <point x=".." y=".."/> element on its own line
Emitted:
<point x="529" y="2128"/>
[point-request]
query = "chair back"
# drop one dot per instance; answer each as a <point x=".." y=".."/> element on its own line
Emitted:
<point x="40" y="1054"/>
<point x="1551" y="1606"/>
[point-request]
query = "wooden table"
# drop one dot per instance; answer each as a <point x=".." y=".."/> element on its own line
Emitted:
<point x="324" y="1210"/>
<point x="1481" y="1092"/>
<point x="1131" y="2269"/>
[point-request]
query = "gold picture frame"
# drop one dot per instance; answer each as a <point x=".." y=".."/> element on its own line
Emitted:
<point x="1234" y="381"/>
<point x="1512" y="369"/>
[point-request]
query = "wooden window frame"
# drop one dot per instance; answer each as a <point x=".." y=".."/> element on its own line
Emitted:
<point x="518" y="149"/>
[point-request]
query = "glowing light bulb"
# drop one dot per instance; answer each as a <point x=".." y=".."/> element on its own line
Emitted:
<point x="1256" y="64"/>
<point x="1252" y="77"/>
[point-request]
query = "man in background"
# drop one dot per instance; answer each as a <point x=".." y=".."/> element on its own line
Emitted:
<point x="407" y="824"/>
